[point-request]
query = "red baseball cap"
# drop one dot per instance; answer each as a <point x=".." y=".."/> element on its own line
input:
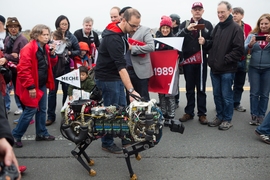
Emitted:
<point x="197" y="4"/>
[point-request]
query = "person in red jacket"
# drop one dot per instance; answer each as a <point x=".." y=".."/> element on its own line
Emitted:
<point x="34" y="77"/>
<point x="83" y="58"/>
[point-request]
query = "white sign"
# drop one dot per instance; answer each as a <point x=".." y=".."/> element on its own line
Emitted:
<point x="175" y="42"/>
<point x="72" y="78"/>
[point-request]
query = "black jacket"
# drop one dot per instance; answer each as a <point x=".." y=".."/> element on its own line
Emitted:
<point x="88" y="40"/>
<point x="176" y="30"/>
<point x="226" y="47"/>
<point x="72" y="45"/>
<point x="42" y="58"/>
<point x="111" y="53"/>
<point x="5" y="131"/>
<point x="191" y="44"/>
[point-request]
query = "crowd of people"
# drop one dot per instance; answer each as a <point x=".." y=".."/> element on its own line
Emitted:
<point x="231" y="49"/>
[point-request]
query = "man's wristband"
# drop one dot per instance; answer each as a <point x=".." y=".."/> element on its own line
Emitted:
<point x="130" y="90"/>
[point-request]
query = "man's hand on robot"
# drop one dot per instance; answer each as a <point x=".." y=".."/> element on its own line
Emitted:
<point x="137" y="98"/>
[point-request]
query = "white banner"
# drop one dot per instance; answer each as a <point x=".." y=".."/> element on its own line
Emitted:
<point x="72" y="78"/>
<point x="175" y="42"/>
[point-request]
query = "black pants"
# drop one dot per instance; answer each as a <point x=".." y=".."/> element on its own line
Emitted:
<point x="192" y="74"/>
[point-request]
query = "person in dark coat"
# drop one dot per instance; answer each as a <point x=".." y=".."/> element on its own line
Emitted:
<point x="86" y="34"/>
<point x="63" y="66"/>
<point x="226" y="49"/>
<point x="195" y="74"/>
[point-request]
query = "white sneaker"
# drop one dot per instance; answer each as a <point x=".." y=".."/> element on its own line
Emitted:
<point x="18" y="112"/>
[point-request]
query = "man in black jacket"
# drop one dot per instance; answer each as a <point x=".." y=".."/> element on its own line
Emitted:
<point x="227" y="48"/>
<point x="110" y="71"/>
<point x="195" y="74"/>
<point x="86" y="34"/>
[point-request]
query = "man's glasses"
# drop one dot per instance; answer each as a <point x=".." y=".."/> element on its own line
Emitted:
<point x="133" y="26"/>
<point x="63" y="24"/>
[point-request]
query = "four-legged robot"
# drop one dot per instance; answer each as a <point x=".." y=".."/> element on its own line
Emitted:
<point x="140" y="123"/>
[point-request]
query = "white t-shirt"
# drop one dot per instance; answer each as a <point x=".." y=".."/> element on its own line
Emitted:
<point x="2" y="37"/>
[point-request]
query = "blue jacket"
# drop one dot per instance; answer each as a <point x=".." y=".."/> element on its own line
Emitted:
<point x="260" y="58"/>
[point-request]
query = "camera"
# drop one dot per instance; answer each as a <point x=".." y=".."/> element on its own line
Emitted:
<point x="260" y="38"/>
<point x="2" y="69"/>
<point x="8" y="172"/>
<point x="176" y="126"/>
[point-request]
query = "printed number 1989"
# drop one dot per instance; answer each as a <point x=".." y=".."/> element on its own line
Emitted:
<point x="163" y="71"/>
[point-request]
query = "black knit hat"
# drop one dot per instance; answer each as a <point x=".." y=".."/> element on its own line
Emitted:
<point x="2" y="19"/>
<point x="124" y="9"/>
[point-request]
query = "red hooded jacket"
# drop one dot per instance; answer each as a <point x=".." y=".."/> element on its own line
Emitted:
<point x="28" y="74"/>
<point x="78" y="61"/>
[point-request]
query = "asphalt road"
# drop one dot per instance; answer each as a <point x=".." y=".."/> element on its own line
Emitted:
<point x="201" y="153"/>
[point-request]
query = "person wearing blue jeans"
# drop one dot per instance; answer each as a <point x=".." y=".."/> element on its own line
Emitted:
<point x="263" y="131"/>
<point x="111" y="75"/>
<point x="226" y="48"/>
<point x="26" y="117"/>
<point x="7" y="100"/>
<point x="34" y="77"/>
<point x="259" y="93"/>
<point x="113" y="94"/>
<point x="223" y="95"/>
<point x="259" y="69"/>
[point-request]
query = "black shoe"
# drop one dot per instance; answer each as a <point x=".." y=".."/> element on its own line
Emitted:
<point x="113" y="149"/>
<point x="45" y="138"/>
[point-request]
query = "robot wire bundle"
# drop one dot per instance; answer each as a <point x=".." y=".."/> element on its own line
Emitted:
<point x="140" y="123"/>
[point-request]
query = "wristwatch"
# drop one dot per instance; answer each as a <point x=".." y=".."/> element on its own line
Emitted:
<point x="131" y="90"/>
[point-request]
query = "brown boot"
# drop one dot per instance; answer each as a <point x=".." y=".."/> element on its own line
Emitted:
<point x="185" y="118"/>
<point x="49" y="122"/>
<point x="203" y="120"/>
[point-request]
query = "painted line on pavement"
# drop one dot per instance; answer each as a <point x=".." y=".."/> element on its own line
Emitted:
<point x="246" y="88"/>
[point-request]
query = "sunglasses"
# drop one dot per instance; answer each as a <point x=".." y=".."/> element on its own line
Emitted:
<point x="13" y="27"/>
